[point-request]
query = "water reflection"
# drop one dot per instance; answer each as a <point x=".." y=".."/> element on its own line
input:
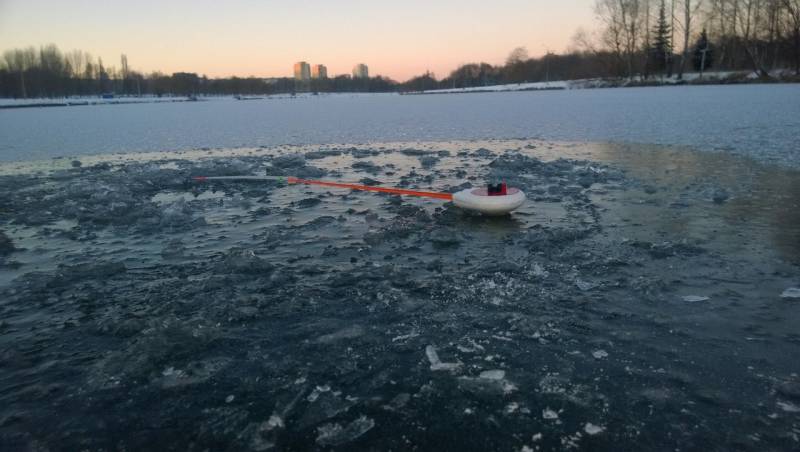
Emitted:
<point x="737" y="203"/>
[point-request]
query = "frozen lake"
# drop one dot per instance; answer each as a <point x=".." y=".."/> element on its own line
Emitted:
<point x="753" y="120"/>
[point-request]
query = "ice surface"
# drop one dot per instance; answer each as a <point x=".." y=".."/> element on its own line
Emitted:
<point x="757" y="120"/>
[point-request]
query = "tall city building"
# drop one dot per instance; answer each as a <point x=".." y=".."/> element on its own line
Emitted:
<point x="319" y="71"/>
<point x="302" y="71"/>
<point x="360" y="71"/>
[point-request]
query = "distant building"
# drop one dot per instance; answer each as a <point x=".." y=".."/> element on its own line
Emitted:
<point x="302" y="71"/>
<point x="360" y="71"/>
<point x="319" y="71"/>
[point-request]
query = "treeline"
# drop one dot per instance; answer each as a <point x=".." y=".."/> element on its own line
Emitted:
<point x="49" y="72"/>
<point x="643" y="37"/>
<point x="646" y="39"/>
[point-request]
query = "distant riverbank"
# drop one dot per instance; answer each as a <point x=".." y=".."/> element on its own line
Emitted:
<point x="6" y="104"/>
<point x="709" y="78"/>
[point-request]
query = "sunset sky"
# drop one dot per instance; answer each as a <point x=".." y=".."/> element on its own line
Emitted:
<point x="264" y="38"/>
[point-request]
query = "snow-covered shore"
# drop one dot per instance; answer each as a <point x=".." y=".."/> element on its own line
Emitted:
<point x="86" y="100"/>
<point x="720" y="77"/>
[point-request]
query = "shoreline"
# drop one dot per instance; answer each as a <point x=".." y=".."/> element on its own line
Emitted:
<point x="736" y="78"/>
<point x="730" y="78"/>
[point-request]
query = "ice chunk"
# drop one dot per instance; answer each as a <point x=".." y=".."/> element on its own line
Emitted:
<point x="239" y="260"/>
<point x="335" y="435"/>
<point x="539" y="271"/>
<point x="289" y="161"/>
<point x="592" y="429"/>
<point x="585" y="285"/>
<point x="274" y="421"/>
<point x="316" y="392"/>
<point x="308" y="202"/>
<point x="428" y="161"/>
<point x="350" y="332"/>
<point x="326" y="405"/>
<point x="173" y="249"/>
<point x="789" y="407"/>
<point x="600" y="354"/>
<point x="493" y="374"/>
<point x="398" y="402"/>
<point x="436" y="363"/>
<point x="720" y="195"/>
<point x="547" y="413"/>
<point x="792" y="292"/>
<point x="6" y="246"/>
<point x="177" y="214"/>
<point x="694" y="298"/>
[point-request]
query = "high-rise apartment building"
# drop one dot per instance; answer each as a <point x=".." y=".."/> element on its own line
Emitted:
<point x="360" y="71"/>
<point x="302" y="71"/>
<point x="319" y="71"/>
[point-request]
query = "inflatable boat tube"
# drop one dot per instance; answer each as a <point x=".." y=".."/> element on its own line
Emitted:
<point x="478" y="199"/>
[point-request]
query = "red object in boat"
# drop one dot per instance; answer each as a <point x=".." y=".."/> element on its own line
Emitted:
<point x="497" y="189"/>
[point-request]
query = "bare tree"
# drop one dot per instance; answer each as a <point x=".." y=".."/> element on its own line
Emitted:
<point x="76" y="60"/>
<point x="792" y="8"/>
<point x="689" y="12"/>
<point x="646" y="45"/>
<point x="124" y="72"/>
<point x="518" y="55"/>
<point x="749" y="20"/>
<point x="621" y="19"/>
<point x="630" y="21"/>
<point x="20" y="61"/>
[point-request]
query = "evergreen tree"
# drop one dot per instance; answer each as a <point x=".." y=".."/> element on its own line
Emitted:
<point x="703" y="56"/>
<point x="661" y="49"/>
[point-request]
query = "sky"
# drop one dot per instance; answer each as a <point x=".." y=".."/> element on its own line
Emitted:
<point x="398" y="39"/>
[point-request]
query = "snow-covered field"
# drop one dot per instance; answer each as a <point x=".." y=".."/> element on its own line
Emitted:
<point x="760" y="121"/>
